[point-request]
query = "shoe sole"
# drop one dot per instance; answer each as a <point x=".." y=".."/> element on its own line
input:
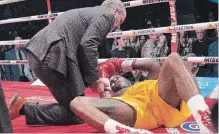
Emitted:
<point x="13" y="100"/>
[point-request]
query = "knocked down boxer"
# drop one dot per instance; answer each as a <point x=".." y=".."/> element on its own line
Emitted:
<point x="165" y="101"/>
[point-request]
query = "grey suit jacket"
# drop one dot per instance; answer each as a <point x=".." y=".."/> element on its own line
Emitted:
<point x="81" y="31"/>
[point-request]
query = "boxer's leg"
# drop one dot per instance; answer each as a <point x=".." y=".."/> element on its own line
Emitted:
<point x="5" y="121"/>
<point x="50" y="114"/>
<point x="174" y="74"/>
<point x="185" y="87"/>
<point x="90" y="109"/>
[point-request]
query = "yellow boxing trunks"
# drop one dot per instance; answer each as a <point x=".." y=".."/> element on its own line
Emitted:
<point x="152" y="111"/>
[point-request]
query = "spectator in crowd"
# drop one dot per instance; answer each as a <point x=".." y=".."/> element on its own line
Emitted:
<point x="184" y="43"/>
<point x="200" y="46"/>
<point x="7" y="13"/>
<point x="158" y="23"/>
<point x="194" y="66"/>
<point x="211" y="17"/>
<point x="122" y="50"/>
<point x="104" y="50"/>
<point x="11" y="71"/>
<point x="156" y="46"/>
<point x="142" y="40"/>
<point x="26" y="74"/>
<point x="213" y="51"/>
<point x="149" y="24"/>
<point x="114" y="44"/>
<point x="185" y="12"/>
<point x="134" y="43"/>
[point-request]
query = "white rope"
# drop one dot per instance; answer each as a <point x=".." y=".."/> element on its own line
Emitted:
<point x="171" y="29"/>
<point x="126" y="4"/>
<point x="201" y="60"/>
<point x="12" y="42"/>
<point x="142" y="2"/>
<point x="13" y="62"/>
<point x="3" y="2"/>
<point x="30" y="18"/>
<point x="53" y="15"/>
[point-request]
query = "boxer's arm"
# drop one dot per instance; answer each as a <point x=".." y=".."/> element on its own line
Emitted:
<point x="119" y="93"/>
<point x="152" y="67"/>
<point x="108" y="94"/>
<point x="106" y="70"/>
<point x="105" y="94"/>
<point x="96" y="32"/>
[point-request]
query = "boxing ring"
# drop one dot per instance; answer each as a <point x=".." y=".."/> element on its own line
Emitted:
<point x="37" y="92"/>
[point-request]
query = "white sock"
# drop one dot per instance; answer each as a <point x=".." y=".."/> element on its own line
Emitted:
<point x="112" y="126"/>
<point x="197" y="103"/>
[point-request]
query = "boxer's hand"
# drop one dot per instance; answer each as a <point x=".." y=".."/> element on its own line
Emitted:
<point x="116" y="62"/>
<point x="107" y="69"/>
<point x="97" y="86"/>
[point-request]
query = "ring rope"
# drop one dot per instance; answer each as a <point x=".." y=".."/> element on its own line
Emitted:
<point x="170" y="29"/>
<point x="53" y="15"/>
<point x="136" y="3"/>
<point x="3" y="2"/>
<point x="31" y="18"/>
<point x="200" y="60"/>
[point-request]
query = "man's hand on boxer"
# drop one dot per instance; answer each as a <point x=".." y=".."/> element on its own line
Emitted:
<point x="107" y="89"/>
<point x="97" y="86"/>
<point x="106" y="82"/>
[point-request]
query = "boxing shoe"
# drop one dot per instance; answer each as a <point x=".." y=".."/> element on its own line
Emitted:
<point x="16" y="104"/>
<point x="203" y="119"/>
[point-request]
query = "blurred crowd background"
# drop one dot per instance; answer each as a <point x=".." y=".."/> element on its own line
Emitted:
<point x="193" y="43"/>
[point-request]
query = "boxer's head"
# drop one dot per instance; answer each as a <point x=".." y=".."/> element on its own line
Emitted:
<point x="117" y="8"/>
<point x="118" y="82"/>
